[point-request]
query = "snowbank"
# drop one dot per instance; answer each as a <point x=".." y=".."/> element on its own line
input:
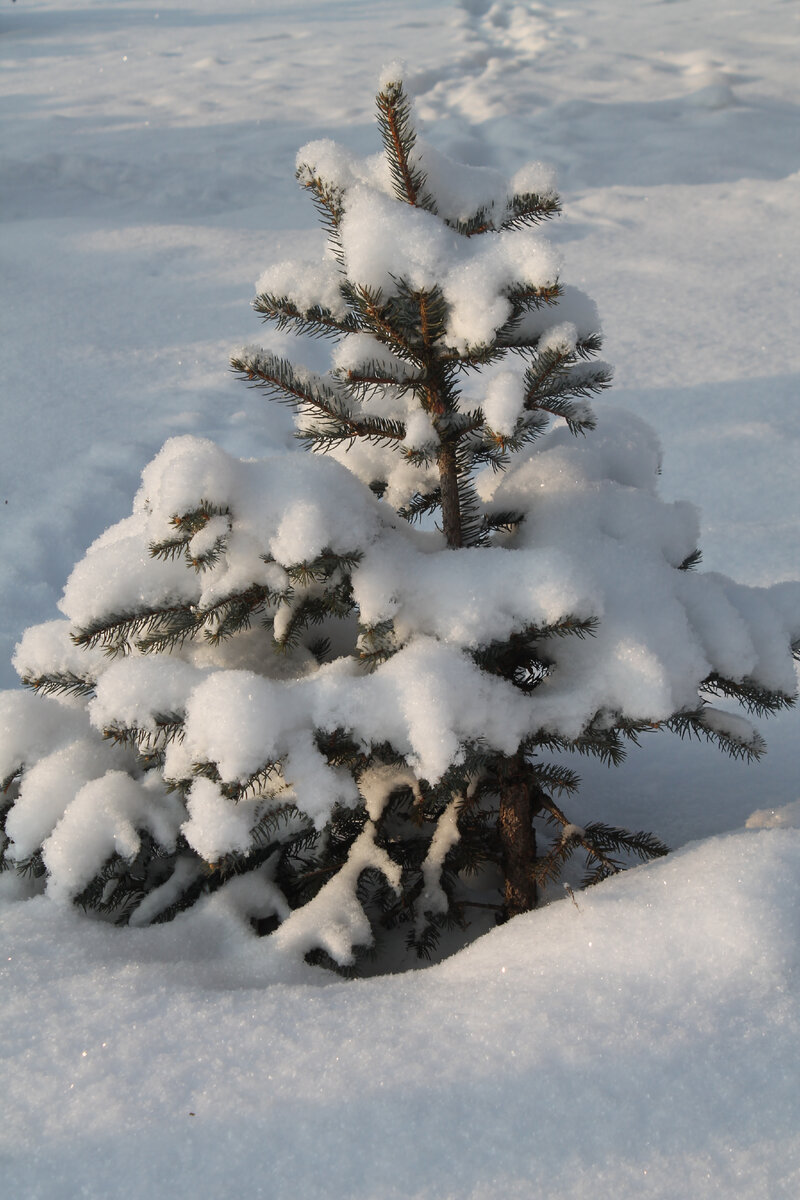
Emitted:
<point x="643" y="1043"/>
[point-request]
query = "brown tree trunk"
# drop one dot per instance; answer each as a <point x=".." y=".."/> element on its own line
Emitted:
<point x="451" y="504"/>
<point x="517" y="836"/>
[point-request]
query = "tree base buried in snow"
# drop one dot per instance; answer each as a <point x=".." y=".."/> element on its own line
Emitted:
<point x="343" y="688"/>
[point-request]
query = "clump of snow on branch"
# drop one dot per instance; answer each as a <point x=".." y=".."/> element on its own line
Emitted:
<point x="315" y="281"/>
<point x="103" y="819"/>
<point x="384" y="241"/>
<point x="288" y="509"/>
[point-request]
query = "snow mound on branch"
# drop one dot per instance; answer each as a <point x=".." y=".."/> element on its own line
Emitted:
<point x="49" y="647"/>
<point x="504" y="400"/>
<point x="289" y="507"/>
<point x="49" y="788"/>
<point x="461" y="190"/>
<point x="32" y="727"/>
<point x="104" y="819"/>
<point x="216" y="825"/>
<point x="384" y="240"/>
<point x="427" y="700"/>
<point x="314" y="281"/>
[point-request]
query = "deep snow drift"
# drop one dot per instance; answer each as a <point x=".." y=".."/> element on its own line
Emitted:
<point x="148" y="157"/>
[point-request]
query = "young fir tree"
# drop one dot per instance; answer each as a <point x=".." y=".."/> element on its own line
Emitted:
<point x="333" y="690"/>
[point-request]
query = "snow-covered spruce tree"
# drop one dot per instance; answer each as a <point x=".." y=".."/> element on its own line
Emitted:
<point x="456" y="347"/>
<point x="329" y="692"/>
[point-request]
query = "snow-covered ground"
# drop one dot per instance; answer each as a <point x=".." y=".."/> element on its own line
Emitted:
<point x="643" y="1043"/>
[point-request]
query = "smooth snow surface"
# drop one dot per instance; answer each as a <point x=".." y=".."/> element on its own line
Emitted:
<point x="641" y="1044"/>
